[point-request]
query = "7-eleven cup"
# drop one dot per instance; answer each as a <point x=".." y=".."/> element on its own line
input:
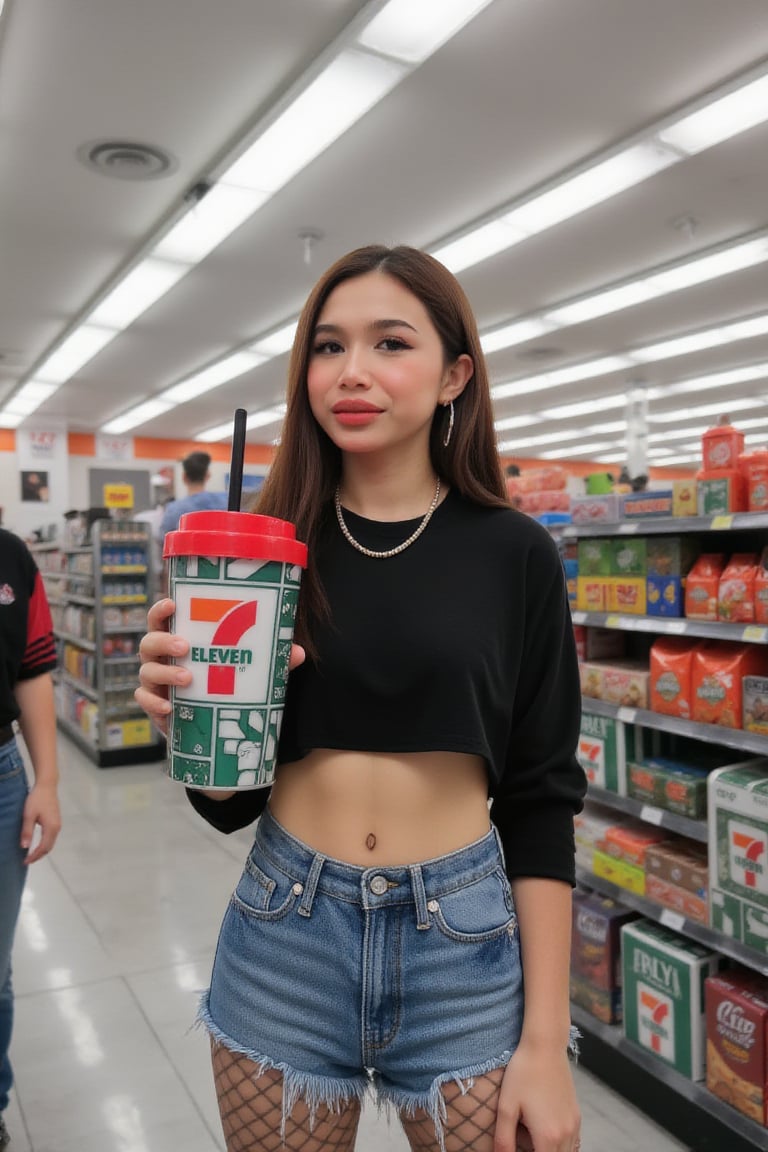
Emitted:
<point x="235" y="578"/>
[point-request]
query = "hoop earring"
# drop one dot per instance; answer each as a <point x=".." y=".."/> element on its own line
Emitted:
<point x="447" y="438"/>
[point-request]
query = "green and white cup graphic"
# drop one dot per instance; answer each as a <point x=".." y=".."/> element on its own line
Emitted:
<point x="235" y="577"/>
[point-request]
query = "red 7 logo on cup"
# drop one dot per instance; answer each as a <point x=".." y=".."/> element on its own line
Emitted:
<point x="234" y="618"/>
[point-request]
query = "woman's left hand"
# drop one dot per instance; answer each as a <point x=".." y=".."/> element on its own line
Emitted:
<point x="538" y="1094"/>
<point x="41" y="810"/>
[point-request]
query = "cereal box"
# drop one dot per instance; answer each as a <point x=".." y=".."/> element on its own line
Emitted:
<point x="663" y="979"/>
<point x="604" y="745"/>
<point x="596" y="955"/>
<point x="737" y="1041"/>
<point x="755" y="704"/>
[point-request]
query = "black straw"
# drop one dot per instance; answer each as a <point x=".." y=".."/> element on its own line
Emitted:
<point x="236" y="465"/>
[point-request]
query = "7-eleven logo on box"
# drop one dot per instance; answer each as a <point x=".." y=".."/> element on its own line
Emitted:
<point x="591" y="756"/>
<point x="748" y="856"/>
<point x="656" y="1021"/>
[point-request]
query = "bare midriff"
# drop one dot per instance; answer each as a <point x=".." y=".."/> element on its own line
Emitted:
<point x="377" y="808"/>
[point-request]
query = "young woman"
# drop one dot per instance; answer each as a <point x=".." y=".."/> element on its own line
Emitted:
<point x="386" y="923"/>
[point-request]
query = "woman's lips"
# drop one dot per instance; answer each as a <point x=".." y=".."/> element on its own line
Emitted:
<point x="352" y="419"/>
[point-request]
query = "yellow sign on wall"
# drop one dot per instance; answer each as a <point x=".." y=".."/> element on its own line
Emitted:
<point x="118" y="495"/>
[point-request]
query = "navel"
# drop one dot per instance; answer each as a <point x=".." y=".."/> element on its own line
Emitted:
<point x="370" y="842"/>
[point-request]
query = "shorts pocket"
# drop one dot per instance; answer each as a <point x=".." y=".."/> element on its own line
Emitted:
<point x="264" y="892"/>
<point x="482" y="910"/>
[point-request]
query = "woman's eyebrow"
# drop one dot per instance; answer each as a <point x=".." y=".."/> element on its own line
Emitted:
<point x="375" y="326"/>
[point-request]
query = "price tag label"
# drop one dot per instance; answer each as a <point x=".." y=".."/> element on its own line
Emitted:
<point x="675" y="627"/>
<point x="755" y="633"/>
<point x="628" y="528"/>
<point x="651" y="815"/>
<point x="628" y="715"/>
<point x="579" y="617"/>
<point x="613" y="621"/>
<point x="672" y="920"/>
<point x="721" y="522"/>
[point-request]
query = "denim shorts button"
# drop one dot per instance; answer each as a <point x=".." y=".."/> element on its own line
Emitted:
<point x="433" y="905"/>
<point x="379" y="885"/>
<point x="298" y="889"/>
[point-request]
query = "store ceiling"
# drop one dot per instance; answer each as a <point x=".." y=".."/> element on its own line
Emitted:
<point x="525" y="92"/>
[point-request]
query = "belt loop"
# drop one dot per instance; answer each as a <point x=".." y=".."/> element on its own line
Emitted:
<point x="500" y="846"/>
<point x="308" y="895"/>
<point x="420" y="897"/>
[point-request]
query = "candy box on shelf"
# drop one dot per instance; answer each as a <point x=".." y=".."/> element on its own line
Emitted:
<point x="595" y="556"/>
<point x="664" y="596"/>
<point x="682" y="862"/>
<point x="591" y="673"/>
<point x="737" y="1041"/>
<point x="625" y="682"/>
<point x="671" y="555"/>
<point x="592" y="593"/>
<point x="677" y="899"/>
<point x="647" y="505"/>
<point x="755" y="704"/>
<point x="754" y="466"/>
<point x="717" y="670"/>
<point x="595" y="509"/>
<point x="701" y="586"/>
<point x="629" y="556"/>
<point x="670" y="680"/>
<point x="736" y="589"/>
<point x="720" y="493"/>
<point x="627" y="595"/>
<point x="663" y="980"/>
<point x="589" y="826"/>
<point x="598" y="643"/>
<point x="684" y="501"/>
<point x="596" y="955"/>
<point x="678" y="788"/>
<point x="630" y="841"/>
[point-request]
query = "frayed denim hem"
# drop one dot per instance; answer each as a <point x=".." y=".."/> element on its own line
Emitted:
<point x="334" y="1093"/>
<point x="573" y="1044"/>
<point x="431" y="1101"/>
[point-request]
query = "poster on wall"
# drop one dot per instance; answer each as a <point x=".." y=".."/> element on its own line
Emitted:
<point x="34" y="487"/>
<point x="40" y="445"/>
<point x="114" y="447"/>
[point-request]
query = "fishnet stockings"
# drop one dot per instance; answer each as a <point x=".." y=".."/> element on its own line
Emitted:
<point x="251" y="1108"/>
<point x="470" y="1119"/>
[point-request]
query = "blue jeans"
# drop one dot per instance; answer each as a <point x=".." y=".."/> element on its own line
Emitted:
<point x="348" y="979"/>
<point x="13" y="873"/>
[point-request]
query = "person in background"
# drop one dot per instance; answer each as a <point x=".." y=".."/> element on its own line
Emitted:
<point x="27" y="658"/>
<point x="389" y="932"/>
<point x="196" y="475"/>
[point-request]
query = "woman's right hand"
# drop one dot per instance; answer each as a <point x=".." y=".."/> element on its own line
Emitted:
<point x="156" y="674"/>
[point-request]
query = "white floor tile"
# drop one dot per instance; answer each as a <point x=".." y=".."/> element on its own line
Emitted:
<point x="115" y="943"/>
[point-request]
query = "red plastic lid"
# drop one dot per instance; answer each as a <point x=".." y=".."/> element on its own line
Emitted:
<point x="241" y="535"/>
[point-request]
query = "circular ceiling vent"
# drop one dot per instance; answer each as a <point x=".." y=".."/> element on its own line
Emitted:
<point x="127" y="159"/>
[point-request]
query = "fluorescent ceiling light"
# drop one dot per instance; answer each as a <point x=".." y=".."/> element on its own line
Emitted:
<point x="755" y="438"/>
<point x="136" y="292"/>
<point x="550" y="438"/>
<point x="412" y="32"/>
<point x="516" y="333"/>
<point x="260" y="419"/>
<point x="720" y="120"/>
<point x="138" y="415"/>
<point x="716" y="380"/>
<point x="557" y="379"/>
<point x="30" y="397"/>
<point x="78" y="348"/>
<point x="277" y="342"/>
<point x="584" y="407"/>
<point x="335" y="100"/>
<point x="699" y="341"/>
<point x="507" y="422"/>
<point x="681" y="434"/>
<point x="656" y="284"/>
<point x="477" y="245"/>
<point x="583" y="450"/>
<point x="221" y="372"/>
<point x="683" y="414"/>
<point x="591" y="187"/>
<point x="671" y="461"/>
<point x="220" y="212"/>
<point x="11" y="419"/>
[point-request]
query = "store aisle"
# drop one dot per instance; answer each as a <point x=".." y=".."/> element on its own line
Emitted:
<point x="115" y="940"/>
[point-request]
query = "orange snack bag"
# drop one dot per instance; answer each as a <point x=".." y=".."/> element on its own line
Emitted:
<point x="671" y="659"/>
<point x="761" y="590"/>
<point x="701" y="586"/>
<point x="736" y="589"/>
<point x="717" y="670"/>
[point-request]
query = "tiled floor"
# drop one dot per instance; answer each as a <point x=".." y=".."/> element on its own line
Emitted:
<point x="115" y="940"/>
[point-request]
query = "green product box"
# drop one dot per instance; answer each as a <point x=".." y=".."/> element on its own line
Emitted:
<point x="663" y="981"/>
<point x="671" y="555"/>
<point x="738" y="852"/>
<point x="595" y="557"/>
<point x="718" y="496"/>
<point x="675" y="787"/>
<point x="629" y="556"/>
<point x="604" y="747"/>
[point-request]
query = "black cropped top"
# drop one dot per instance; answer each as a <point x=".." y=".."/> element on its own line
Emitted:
<point x="461" y="643"/>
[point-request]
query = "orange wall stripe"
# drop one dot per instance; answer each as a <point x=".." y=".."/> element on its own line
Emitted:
<point x="145" y="448"/>
<point x="81" y="444"/>
<point x="7" y="440"/>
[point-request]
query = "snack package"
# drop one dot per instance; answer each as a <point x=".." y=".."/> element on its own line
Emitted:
<point x="671" y="555"/>
<point x="717" y="671"/>
<point x="736" y="589"/>
<point x="701" y="586"/>
<point x="737" y="1041"/>
<point x="755" y="704"/>
<point x="670" y="680"/>
<point x="761" y="589"/>
<point x="625" y="682"/>
<point x="684" y="497"/>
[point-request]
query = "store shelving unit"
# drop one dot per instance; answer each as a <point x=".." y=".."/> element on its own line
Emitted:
<point x="687" y="1109"/>
<point x="99" y="593"/>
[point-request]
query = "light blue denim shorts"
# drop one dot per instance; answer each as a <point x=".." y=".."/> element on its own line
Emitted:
<point x="346" y="979"/>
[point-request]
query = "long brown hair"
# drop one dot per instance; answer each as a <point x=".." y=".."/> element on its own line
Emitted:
<point x="307" y="464"/>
